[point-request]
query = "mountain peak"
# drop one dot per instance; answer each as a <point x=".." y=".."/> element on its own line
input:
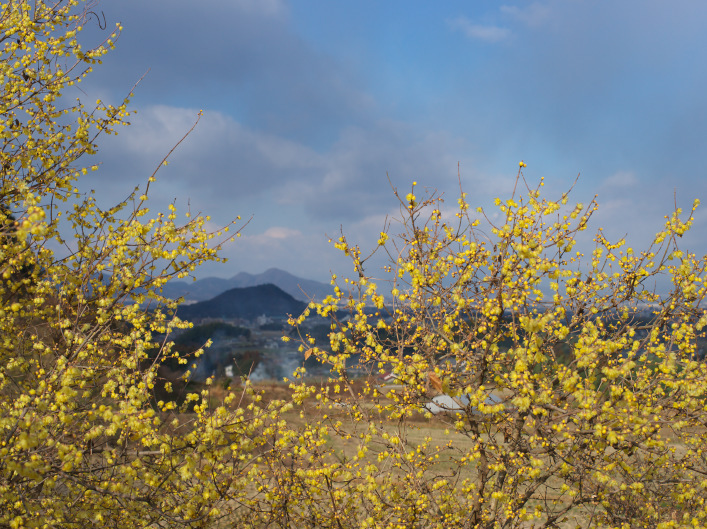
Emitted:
<point x="210" y="287"/>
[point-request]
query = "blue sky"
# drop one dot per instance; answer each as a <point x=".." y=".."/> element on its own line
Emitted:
<point x="310" y="105"/>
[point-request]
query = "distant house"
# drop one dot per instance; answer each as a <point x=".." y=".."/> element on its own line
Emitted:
<point x="389" y="378"/>
<point x="263" y="320"/>
<point x="445" y="403"/>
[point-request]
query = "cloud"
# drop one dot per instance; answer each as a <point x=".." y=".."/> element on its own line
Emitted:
<point x="263" y="7"/>
<point x="304" y="136"/>
<point x="533" y="15"/>
<point x="305" y="254"/>
<point x="221" y="159"/>
<point x="295" y="193"/>
<point x="242" y="58"/>
<point x="598" y="101"/>
<point x="490" y="34"/>
<point x="621" y="179"/>
<point x="280" y="232"/>
<point x="225" y="163"/>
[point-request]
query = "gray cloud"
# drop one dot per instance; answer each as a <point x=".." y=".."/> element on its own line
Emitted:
<point x="296" y="194"/>
<point x="238" y="57"/>
<point x="297" y="137"/>
<point x="596" y="86"/>
<point x="223" y="161"/>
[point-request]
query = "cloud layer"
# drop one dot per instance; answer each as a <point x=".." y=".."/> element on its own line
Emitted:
<point x="310" y="110"/>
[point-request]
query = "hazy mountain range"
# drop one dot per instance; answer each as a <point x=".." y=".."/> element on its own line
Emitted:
<point x="246" y="303"/>
<point x="211" y="287"/>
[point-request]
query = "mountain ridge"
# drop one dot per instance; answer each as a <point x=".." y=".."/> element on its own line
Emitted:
<point x="208" y="288"/>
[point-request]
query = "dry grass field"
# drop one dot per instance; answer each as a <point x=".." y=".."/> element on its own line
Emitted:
<point x="444" y="445"/>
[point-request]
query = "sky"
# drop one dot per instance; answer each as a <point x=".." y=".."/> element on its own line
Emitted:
<point x="313" y="109"/>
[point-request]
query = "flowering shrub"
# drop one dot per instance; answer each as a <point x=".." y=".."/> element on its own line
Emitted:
<point x="574" y="390"/>
<point x="82" y="441"/>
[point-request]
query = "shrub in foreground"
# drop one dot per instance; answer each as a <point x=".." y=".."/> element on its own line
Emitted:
<point x="82" y="441"/>
<point x="575" y="394"/>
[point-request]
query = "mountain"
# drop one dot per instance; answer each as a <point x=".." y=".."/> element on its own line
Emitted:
<point x="247" y="303"/>
<point x="199" y="290"/>
<point x="210" y="287"/>
<point x="297" y="287"/>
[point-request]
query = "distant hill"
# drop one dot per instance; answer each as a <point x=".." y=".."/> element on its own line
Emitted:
<point x="297" y="287"/>
<point x="210" y="287"/>
<point x="247" y="303"/>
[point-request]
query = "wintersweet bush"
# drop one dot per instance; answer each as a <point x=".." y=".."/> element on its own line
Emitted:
<point x="574" y="391"/>
<point x="83" y="441"/>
